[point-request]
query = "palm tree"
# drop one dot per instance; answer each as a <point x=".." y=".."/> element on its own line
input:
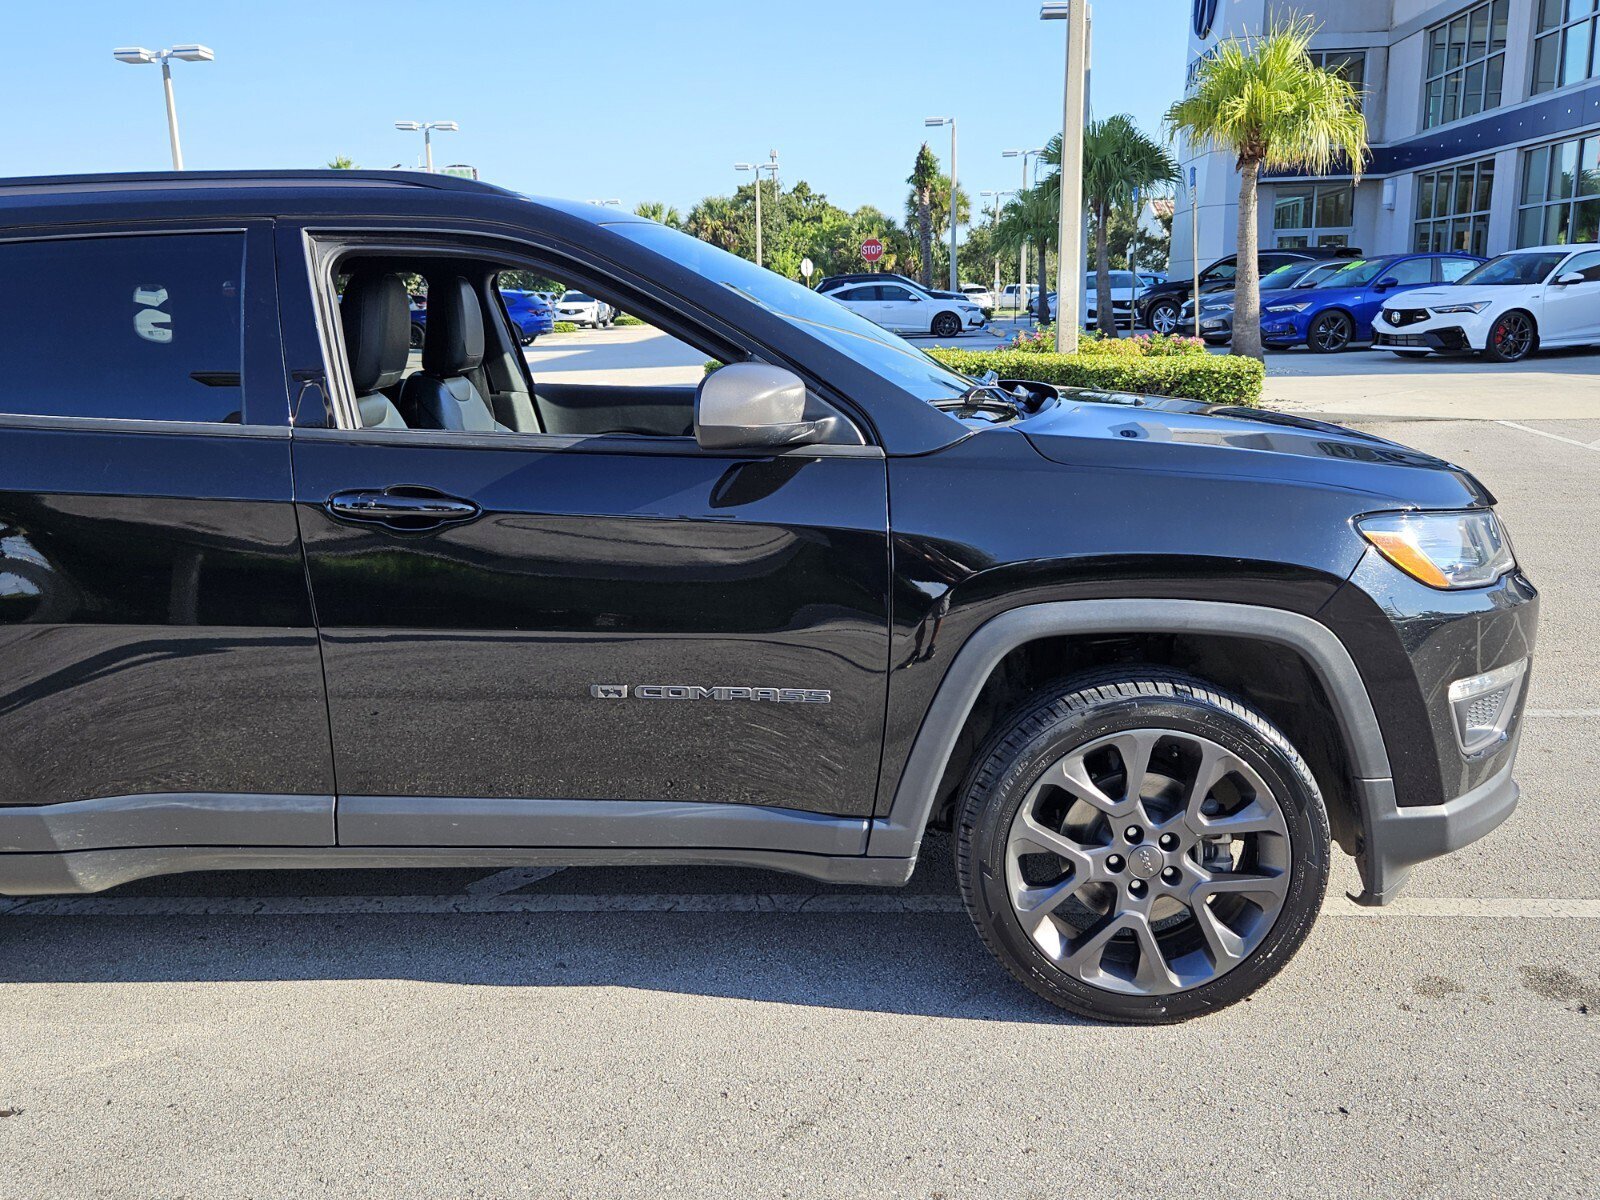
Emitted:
<point x="1119" y="159"/>
<point x="1031" y="218"/>
<point x="716" y="219"/>
<point x="924" y="178"/>
<point x="1271" y="106"/>
<point x="655" y="210"/>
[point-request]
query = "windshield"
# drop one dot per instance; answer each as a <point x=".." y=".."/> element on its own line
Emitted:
<point x="1356" y="274"/>
<point x="1511" y="269"/>
<point x="578" y="298"/>
<point x="821" y="316"/>
<point x="1296" y="274"/>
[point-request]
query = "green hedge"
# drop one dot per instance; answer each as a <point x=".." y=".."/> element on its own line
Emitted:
<point x="1210" y="378"/>
<point x="623" y="320"/>
<point x="564" y="327"/>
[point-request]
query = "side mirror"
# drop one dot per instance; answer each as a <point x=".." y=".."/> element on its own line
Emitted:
<point x="752" y="405"/>
<point x="1388" y="282"/>
<point x="1572" y="277"/>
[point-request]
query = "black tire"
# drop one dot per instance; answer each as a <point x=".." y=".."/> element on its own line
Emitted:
<point x="1162" y="316"/>
<point x="1331" y="333"/>
<point x="1077" y="712"/>
<point x="1512" y="338"/>
<point x="419" y="334"/>
<point x="946" y="325"/>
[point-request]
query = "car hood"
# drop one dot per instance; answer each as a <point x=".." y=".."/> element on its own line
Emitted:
<point x="1428" y="297"/>
<point x="1102" y="429"/>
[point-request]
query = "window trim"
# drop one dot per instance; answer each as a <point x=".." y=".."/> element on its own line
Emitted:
<point x="258" y="341"/>
<point x="1465" y="13"/>
<point x="1524" y="157"/>
<point x="1559" y="32"/>
<point x="1476" y="166"/>
<point x="324" y="246"/>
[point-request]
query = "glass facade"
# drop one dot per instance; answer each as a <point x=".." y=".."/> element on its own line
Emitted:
<point x="1566" y="47"/>
<point x="1453" y="208"/>
<point x="1349" y="65"/>
<point x="1467" y="63"/>
<point x="1313" y="215"/>
<point x="1560" y="199"/>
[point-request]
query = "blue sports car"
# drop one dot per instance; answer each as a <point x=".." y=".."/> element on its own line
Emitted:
<point x="530" y="313"/>
<point x="1339" y="310"/>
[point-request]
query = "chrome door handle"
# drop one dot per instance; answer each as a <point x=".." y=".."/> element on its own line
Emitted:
<point x="402" y="508"/>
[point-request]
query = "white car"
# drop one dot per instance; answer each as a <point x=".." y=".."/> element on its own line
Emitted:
<point x="583" y="309"/>
<point x="1547" y="296"/>
<point x="904" y="309"/>
<point x="1014" y="296"/>
<point x="978" y="294"/>
<point x="1126" y="287"/>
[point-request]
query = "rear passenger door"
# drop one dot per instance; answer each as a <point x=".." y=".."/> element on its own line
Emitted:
<point x="160" y="660"/>
<point x="1572" y="311"/>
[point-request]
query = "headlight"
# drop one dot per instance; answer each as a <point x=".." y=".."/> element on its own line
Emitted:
<point x="1217" y="308"/>
<point x="1475" y="307"/>
<point x="1288" y="308"/>
<point x="1443" y="549"/>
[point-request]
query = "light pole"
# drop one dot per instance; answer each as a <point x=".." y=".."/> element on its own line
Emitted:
<point x="759" y="167"/>
<point x="995" y="196"/>
<point x="1070" y="231"/>
<point x="427" y="128"/>
<point x="138" y="56"/>
<point x="934" y="123"/>
<point x="1022" y="251"/>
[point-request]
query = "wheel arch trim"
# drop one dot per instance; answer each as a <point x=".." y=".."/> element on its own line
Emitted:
<point x="900" y="833"/>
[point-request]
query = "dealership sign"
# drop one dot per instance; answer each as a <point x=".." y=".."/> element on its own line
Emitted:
<point x="872" y="250"/>
<point x="1205" y="16"/>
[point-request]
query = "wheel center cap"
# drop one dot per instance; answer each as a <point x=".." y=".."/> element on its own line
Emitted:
<point x="1144" y="863"/>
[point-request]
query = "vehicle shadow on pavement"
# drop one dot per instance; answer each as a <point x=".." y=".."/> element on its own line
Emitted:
<point x="906" y="963"/>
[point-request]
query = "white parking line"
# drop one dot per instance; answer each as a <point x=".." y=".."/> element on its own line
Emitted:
<point x="1496" y="908"/>
<point x="1564" y="712"/>
<point x="1555" y="437"/>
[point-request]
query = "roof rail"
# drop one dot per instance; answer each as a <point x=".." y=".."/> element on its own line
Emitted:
<point x="193" y="179"/>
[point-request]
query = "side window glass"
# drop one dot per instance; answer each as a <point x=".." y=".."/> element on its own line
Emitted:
<point x="160" y="340"/>
<point x="1220" y="273"/>
<point x="1452" y="269"/>
<point x="1411" y="272"/>
<point x="894" y="293"/>
<point x="1587" y="265"/>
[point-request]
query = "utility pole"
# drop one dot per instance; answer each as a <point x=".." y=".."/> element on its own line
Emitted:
<point x="189" y="52"/>
<point x="934" y="122"/>
<point x="1070" y="230"/>
<point x="1022" y="251"/>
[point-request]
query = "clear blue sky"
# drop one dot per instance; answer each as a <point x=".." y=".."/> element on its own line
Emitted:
<point x="635" y="99"/>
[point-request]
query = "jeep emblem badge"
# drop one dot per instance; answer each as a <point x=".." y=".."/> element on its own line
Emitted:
<point x="609" y="691"/>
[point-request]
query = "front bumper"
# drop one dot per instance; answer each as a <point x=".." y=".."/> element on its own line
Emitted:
<point x="1396" y="839"/>
<point x="1444" y="340"/>
<point x="1280" y="330"/>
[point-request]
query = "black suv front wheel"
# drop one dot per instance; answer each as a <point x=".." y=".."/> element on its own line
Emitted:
<point x="1141" y="847"/>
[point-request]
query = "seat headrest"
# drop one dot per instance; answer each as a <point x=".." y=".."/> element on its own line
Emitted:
<point x="377" y="330"/>
<point x="454" y="344"/>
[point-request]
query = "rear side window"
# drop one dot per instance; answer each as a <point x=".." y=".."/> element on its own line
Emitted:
<point x="141" y="327"/>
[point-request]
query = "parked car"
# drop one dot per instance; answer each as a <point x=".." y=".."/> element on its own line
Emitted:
<point x="457" y="621"/>
<point x="1158" y="308"/>
<point x="1017" y="298"/>
<point x="907" y="309"/>
<point x="1126" y="287"/>
<point x="832" y="283"/>
<point x="1216" y="308"/>
<point x="1338" y="312"/>
<point x="580" y="308"/>
<point x="979" y="294"/>
<point x="529" y="313"/>
<point x="1511" y="306"/>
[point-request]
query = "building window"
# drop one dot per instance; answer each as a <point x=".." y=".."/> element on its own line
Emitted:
<point x="1567" y="46"/>
<point x="1560" y="201"/>
<point x="1349" y="65"/>
<point x="1320" y="215"/>
<point x="1453" y="209"/>
<point x="1466" y="63"/>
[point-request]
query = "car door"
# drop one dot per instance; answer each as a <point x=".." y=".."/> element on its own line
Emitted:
<point x="161" y="663"/>
<point x="621" y="631"/>
<point x="862" y="299"/>
<point x="1572" y="311"/>
<point x="903" y="310"/>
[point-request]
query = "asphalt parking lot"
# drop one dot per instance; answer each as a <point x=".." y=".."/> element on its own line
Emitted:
<point x="719" y="1032"/>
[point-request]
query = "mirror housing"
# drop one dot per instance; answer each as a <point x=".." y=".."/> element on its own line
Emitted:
<point x="1388" y="282"/>
<point x="752" y="405"/>
<point x="1570" y="278"/>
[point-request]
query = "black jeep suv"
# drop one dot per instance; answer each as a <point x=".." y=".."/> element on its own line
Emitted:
<point x="274" y="593"/>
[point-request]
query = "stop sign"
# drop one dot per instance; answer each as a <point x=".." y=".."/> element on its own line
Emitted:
<point x="872" y="250"/>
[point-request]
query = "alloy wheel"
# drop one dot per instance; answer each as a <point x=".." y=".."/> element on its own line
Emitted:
<point x="1164" y="318"/>
<point x="1512" y="336"/>
<point x="1148" y="862"/>
<point x="1331" y="333"/>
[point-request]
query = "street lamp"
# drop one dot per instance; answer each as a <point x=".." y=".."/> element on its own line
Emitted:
<point x="426" y="128"/>
<point x="1022" y="251"/>
<point x="139" y="56"/>
<point x="1070" y="232"/>
<point x="995" y="196"/>
<point x="759" y="167"/>
<point x="934" y="123"/>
